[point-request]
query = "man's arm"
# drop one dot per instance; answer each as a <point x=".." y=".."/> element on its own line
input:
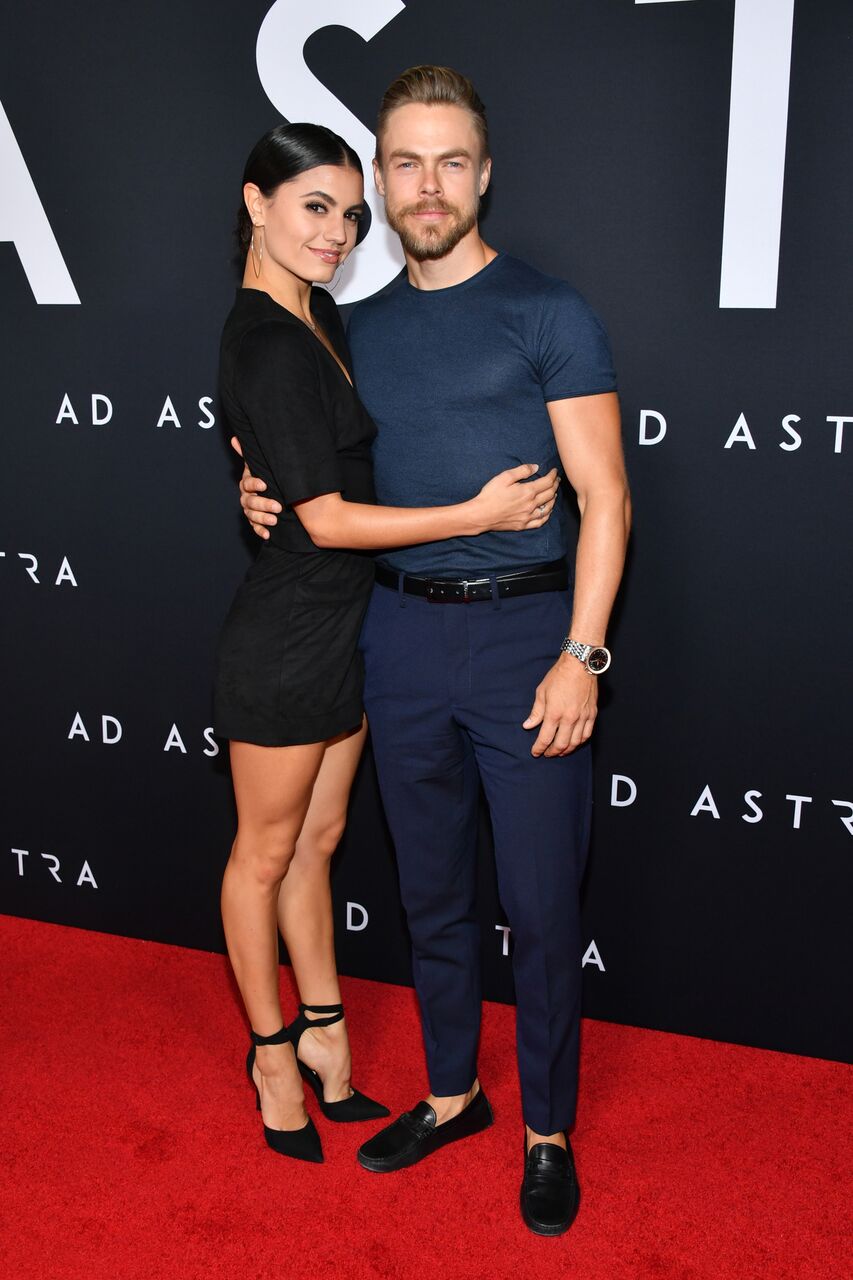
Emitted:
<point x="589" y="439"/>
<point x="259" y="511"/>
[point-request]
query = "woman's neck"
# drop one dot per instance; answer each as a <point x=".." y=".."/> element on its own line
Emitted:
<point x="288" y="290"/>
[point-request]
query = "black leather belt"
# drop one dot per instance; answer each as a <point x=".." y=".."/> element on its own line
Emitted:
<point x="522" y="582"/>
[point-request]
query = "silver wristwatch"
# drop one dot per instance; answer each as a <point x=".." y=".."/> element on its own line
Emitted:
<point x="594" y="657"/>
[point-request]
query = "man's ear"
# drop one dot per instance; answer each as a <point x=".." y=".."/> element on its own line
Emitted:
<point x="485" y="176"/>
<point x="253" y="197"/>
<point x="377" y="178"/>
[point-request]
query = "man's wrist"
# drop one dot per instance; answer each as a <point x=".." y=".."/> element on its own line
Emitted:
<point x="595" y="658"/>
<point x="570" y="663"/>
<point x="587" y="635"/>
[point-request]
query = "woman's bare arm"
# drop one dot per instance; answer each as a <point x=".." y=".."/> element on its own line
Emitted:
<point x="509" y="501"/>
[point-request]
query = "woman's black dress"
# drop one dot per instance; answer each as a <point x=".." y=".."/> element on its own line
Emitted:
<point x="288" y="669"/>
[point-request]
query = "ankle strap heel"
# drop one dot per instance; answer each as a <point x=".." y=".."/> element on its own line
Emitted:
<point x="357" y="1106"/>
<point x="334" y="1013"/>
<point x="300" y="1144"/>
<point x="280" y="1037"/>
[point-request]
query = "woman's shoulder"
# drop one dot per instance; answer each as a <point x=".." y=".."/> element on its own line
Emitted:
<point x="269" y="356"/>
<point x="253" y="308"/>
<point x="265" y="330"/>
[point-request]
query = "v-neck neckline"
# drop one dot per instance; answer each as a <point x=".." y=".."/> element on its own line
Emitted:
<point x="333" y="355"/>
<point x="342" y="369"/>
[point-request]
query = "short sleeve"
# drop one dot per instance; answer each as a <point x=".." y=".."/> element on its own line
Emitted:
<point x="278" y="386"/>
<point x="573" y="349"/>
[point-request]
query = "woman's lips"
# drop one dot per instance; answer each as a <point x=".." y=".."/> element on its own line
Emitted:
<point x="327" y="255"/>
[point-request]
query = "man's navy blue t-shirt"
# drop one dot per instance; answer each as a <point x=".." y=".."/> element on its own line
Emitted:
<point x="457" y="381"/>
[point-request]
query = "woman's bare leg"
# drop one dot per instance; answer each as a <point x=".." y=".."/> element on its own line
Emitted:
<point x="272" y="787"/>
<point x="305" y="911"/>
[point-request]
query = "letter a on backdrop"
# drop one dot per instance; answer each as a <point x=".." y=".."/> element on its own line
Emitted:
<point x="24" y="222"/>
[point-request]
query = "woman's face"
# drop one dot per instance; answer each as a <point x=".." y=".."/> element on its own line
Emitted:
<point x="309" y="223"/>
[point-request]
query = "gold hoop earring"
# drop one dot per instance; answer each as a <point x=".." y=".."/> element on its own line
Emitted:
<point x="257" y="254"/>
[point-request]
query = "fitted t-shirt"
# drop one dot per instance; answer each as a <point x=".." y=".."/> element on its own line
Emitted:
<point x="457" y="381"/>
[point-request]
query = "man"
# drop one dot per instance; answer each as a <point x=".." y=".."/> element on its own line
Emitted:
<point x="469" y="364"/>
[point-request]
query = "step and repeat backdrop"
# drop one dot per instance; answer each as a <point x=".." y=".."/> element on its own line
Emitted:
<point x="688" y="165"/>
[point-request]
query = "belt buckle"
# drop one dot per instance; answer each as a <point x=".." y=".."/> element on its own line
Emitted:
<point x="434" y="585"/>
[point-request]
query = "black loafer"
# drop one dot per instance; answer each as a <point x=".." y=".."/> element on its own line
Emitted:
<point x="416" y="1135"/>
<point x="550" y="1195"/>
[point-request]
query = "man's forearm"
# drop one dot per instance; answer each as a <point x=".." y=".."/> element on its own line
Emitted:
<point x="602" y="542"/>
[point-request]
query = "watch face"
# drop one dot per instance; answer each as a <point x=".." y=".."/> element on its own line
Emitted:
<point x="598" y="661"/>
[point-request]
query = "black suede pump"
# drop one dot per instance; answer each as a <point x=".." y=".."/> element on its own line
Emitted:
<point x="299" y="1144"/>
<point x="348" y="1110"/>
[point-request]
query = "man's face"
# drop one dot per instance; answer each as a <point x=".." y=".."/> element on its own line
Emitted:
<point x="431" y="177"/>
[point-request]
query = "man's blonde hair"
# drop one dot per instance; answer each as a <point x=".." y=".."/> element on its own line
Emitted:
<point x="433" y="86"/>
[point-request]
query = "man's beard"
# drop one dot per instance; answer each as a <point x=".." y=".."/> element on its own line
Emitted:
<point x="429" y="241"/>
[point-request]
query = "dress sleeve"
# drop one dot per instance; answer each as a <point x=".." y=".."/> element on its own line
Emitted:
<point x="573" y="351"/>
<point x="278" y="385"/>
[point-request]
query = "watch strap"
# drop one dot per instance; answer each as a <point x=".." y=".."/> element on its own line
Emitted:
<point x="576" y="649"/>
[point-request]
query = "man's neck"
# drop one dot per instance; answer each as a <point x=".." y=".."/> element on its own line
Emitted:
<point x="466" y="259"/>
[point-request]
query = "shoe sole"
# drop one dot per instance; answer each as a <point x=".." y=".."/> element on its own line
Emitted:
<point x="374" y="1166"/>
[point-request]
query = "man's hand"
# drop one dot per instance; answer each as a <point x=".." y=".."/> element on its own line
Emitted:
<point x="259" y="511"/>
<point x="564" y="708"/>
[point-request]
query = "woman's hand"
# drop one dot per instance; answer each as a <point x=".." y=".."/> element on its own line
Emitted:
<point x="506" y="503"/>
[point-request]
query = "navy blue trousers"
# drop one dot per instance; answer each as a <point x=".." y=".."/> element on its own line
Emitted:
<point x="447" y="688"/>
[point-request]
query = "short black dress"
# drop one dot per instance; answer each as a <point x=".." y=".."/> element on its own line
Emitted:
<point x="288" y="668"/>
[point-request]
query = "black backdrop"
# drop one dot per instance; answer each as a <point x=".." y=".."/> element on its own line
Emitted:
<point x="717" y="902"/>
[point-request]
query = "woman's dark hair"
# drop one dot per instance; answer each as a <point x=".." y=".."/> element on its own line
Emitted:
<point x="284" y="153"/>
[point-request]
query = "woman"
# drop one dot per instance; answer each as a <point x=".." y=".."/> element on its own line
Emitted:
<point x="288" y="681"/>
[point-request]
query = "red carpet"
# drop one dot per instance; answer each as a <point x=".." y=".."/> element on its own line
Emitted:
<point x="132" y="1148"/>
